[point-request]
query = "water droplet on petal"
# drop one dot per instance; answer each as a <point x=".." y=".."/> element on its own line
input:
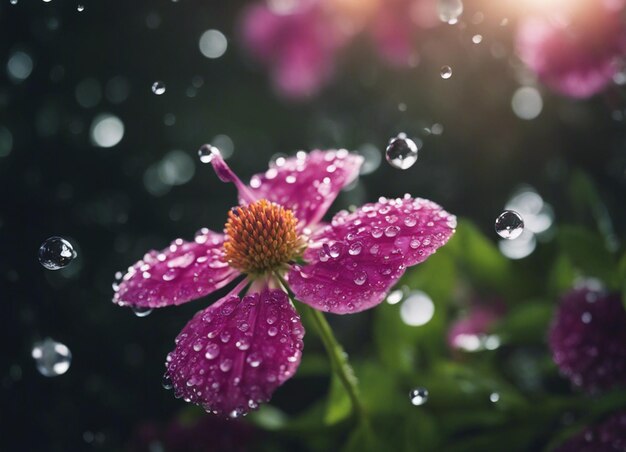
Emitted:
<point x="360" y="278"/>
<point x="401" y="152"/>
<point x="51" y="358"/>
<point x="446" y="72"/>
<point x="56" y="253"/>
<point x="418" y="396"/>
<point x="226" y="365"/>
<point x="158" y="88"/>
<point x="166" y="382"/>
<point x="355" y="249"/>
<point x="141" y="311"/>
<point x="509" y="225"/>
<point x="207" y="152"/>
<point x="212" y="351"/>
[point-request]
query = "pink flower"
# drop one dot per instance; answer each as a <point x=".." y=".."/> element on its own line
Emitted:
<point x="395" y="27"/>
<point x="577" y="54"/>
<point x="298" y="46"/>
<point x="232" y="355"/>
<point x="470" y="332"/>
<point x="606" y="436"/>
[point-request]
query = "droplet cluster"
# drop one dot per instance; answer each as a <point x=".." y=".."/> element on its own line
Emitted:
<point x="356" y="259"/>
<point x="179" y="273"/>
<point x="232" y="356"/>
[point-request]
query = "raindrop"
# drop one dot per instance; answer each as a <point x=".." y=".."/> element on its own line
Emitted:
<point x="56" y="253"/>
<point x="401" y="152"/>
<point x="213" y="44"/>
<point x="166" y="382"/>
<point x="141" y="311"/>
<point x="52" y="358"/>
<point x="13" y="2"/>
<point x="509" y="225"/>
<point x="158" y="88"/>
<point x="494" y="397"/>
<point x="449" y="11"/>
<point x="80" y="8"/>
<point x="207" y="152"/>
<point x="418" y="396"/>
<point x="446" y="72"/>
<point x="477" y="39"/>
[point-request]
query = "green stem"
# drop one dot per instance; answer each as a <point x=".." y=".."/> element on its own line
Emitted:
<point x="338" y="358"/>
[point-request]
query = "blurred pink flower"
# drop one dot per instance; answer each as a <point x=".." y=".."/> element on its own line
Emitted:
<point x="575" y="54"/>
<point x="297" y="45"/>
<point x="469" y="332"/>
<point x="395" y="26"/>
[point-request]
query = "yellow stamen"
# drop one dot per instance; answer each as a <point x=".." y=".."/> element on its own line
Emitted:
<point x="261" y="237"/>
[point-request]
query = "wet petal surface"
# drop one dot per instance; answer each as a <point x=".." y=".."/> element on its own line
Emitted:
<point x="181" y="272"/>
<point x="355" y="260"/>
<point x="308" y="183"/>
<point x="233" y="355"/>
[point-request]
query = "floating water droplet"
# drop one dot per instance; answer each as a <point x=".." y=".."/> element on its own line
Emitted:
<point x="158" y="88"/>
<point x="509" y="225"/>
<point x="477" y="39"/>
<point x="52" y="358"/>
<point x="401" y="152"/>
<point x="494" y="397"/>
<point x="80" y="8"/>
<point x="13" y="2"/>
<point x="56" y="253"/>
<point x="166" y="382"/>
<point x="449" y="11"/>
<point x="141" y="311"/>
<point x="446" y="72"/>
<point x="207" y="152"/>
<point x="419" y="396"/>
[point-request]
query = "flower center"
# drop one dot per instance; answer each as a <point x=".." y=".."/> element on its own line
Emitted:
<point x="261" y="237"/>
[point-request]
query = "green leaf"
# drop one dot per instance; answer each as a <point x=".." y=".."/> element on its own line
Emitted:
<point x="587" y="252"/>
<point x="363" y="439"/>
<point x="338" y="405"/>
<point x="526" y="323"/>
<point x="562" y="276"/>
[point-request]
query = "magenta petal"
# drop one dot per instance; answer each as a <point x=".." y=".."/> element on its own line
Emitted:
<point x="354" y="261"/>
<point x="233" y="355"/>
<point x="307" y="183"/>
<point x="182" y="272"/>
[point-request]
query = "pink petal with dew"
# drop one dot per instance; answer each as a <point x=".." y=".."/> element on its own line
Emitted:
<point x="233" y="355"/>
<point x="180" y="273"/>
<point x="308" y="183"/>
<point x="578" y="60"/>
<point x="354" y="261"/>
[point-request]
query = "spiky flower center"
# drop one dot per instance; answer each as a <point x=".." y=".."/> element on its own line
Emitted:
<point x="261" y="237"/>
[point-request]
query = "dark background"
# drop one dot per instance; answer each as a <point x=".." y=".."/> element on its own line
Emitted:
<point x="54" y="181"/>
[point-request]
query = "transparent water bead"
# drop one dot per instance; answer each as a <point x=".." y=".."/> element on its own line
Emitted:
<point x="52" y="358"/>
<point x="418" y="396"/>
<point x="141" y="311"/>
<point x="80" y="8"/>
<point x="158" y="88"/>
<point x="446" y="72"/>
<point x="449" y="11"/>
<point x="207" y="152"/>
<point x="401" y="152"/>
<point x="56" y="253"/>
<point x="509" y="225"/>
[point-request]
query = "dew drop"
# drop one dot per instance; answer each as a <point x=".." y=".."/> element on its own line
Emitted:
<point x="449" y="11"/>
<point x="401" y="152"/>
<point x="207" y="152"/>
<point x="360" y="278"/>
<point x="212" y="351"/>
<point x="56" y="253"/>
<point x="166" y="382"/>
<point x="355" y="249"/>
<point x="158" y="88"/>
<point x="418" y="396"/>
<point x="141" y="311"/>
<point x="509" y="225"/>
<point x="446" y="72"/>
<point x="226" y="364"/>
<point x="52" y="358"/>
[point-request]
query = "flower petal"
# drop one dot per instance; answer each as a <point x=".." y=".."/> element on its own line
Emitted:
<point x="356" y="259"/>
<point x="308" y="183"/>
<point x="233" y="355"/>
<point x="182" y="272"/>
